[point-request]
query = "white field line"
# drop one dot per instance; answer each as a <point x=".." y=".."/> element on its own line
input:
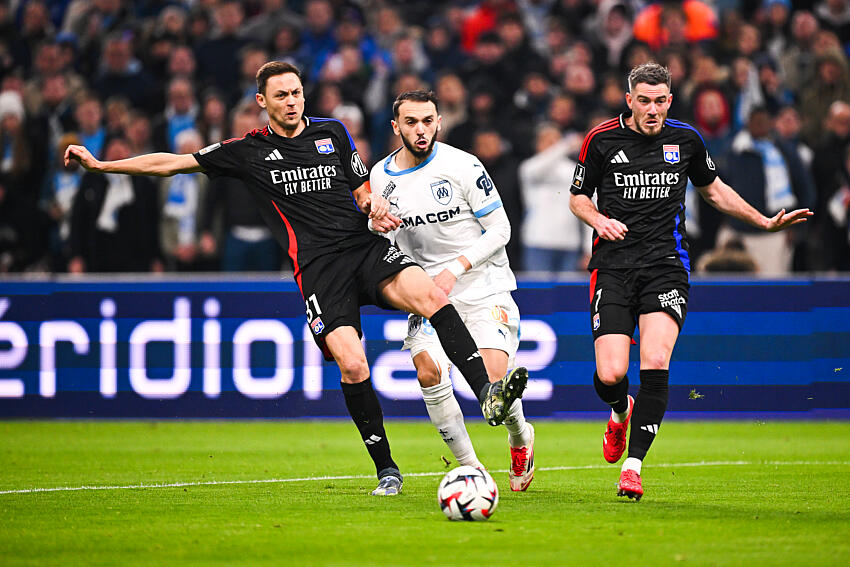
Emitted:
<point x="439" y="473"/>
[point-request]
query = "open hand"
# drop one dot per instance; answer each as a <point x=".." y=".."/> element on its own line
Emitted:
<point x="783" y="220"/>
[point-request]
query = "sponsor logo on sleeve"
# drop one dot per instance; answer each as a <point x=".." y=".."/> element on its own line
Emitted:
<point x="210" y="148"/>
<point x="357" y="164"/>
<point x="578" y="176"/>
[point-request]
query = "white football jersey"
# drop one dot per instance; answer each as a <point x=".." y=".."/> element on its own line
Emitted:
<point x="440" y="201"/>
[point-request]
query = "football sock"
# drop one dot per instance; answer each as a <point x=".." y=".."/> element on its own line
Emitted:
<point x="447" y="417"/>
<point x="461" y="348"/>
<point x="633" y="464"/>
<point x="616" y="396"/>
<point x="650" y="405"/>
<point x="365" y="410"/>
<point x="518" y="431"/>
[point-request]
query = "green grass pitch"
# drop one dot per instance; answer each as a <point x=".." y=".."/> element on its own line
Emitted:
<point x="252" y="493"/>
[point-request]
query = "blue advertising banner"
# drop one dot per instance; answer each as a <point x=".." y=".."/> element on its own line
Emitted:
<point x="242" y="348"/>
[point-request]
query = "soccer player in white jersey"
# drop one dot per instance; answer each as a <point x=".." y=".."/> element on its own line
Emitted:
<point x="453" y="224"/>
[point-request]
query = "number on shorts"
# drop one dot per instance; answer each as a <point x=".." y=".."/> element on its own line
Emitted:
<point x="598" y="297"/>
<point x="315" y="306"/>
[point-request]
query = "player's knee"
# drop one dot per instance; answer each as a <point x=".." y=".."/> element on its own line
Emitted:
<point x="353" y="369"/>
<point x="655" y="361"/>
<point x="428" y="376"/>
<point x="437" y="299"/>
<point x="609" y="375"/>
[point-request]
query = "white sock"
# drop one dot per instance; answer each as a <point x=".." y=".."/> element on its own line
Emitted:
<point x="518" y="432"/>
<point x="632" y="464"/>
<point x="620" y="417"/>
<point x="447" y="417"/>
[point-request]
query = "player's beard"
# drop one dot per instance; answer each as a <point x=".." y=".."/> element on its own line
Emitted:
<point x="417" y="153"/>
<point x="643" y="130"/>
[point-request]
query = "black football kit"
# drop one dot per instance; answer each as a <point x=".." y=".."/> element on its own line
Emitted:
<point x="641" y="181"/>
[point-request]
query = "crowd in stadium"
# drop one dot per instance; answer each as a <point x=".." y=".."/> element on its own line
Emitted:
<point x="519" y="82"/>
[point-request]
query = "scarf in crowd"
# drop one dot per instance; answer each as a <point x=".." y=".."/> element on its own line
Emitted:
<point x="777" y="182"/>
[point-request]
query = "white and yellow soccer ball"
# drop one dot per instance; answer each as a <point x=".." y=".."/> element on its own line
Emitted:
<point x="468" y="493"/>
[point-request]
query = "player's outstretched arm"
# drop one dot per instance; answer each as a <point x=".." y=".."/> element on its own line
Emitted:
<point x="726" y="200"/>
<point x="159" y="164"/>
<point x="607" y="228"/>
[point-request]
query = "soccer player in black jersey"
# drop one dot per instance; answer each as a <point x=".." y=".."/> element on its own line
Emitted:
<point x="639" y="164"/>
<point x="310" y="185"/>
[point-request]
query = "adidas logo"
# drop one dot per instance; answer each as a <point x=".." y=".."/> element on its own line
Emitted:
<point x="651" y="428"/>
<point x="620" y="157"/>
<point x="274" y="155"/>
<point x="373" y="438"/>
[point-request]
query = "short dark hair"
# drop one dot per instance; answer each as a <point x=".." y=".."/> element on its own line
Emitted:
<point x="273" y="69"/>
<point x="650" y="73"/>
<point x="416" y="96"/>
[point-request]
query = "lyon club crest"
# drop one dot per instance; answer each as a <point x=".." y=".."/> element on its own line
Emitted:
<point x="671" y="153"/>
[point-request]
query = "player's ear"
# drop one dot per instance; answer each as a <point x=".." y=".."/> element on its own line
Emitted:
<point x="261" y="100"/>
<point x="395" y="127"/>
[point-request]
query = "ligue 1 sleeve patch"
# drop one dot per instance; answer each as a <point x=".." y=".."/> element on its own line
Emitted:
<point x="325" y="146"/>
<point x="578" y="176"/>
<point x="671" y="153"/>
<point x="357" y="164"/>
<point x="210" y="148"/>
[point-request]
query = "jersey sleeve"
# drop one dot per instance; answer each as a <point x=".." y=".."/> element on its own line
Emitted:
<point x="478" y="187"/>
<point x="588" y="172"/>
<point x="701" y="169"/>
<point x="222" y="158"/>
<point x="355" y="170"/>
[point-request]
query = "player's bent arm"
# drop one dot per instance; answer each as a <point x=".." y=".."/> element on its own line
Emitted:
<point x="497" y="233"/>
<point x="160" y="164"/>
<point x="607" y="228"/>
<point x="726" y="200"/>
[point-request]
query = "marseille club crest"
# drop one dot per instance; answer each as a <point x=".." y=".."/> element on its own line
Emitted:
<point x="442" y="191"/>
<point x="671" y="153"/>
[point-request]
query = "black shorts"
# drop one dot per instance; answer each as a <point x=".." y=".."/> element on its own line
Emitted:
<point x="619" y="297"/>
<point x="335" y="285"/>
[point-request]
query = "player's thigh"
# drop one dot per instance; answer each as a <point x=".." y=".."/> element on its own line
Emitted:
<point x="331" y="301"/>
<point x="493" y="322"/>
<point x="347" y="350"/>
<point x="413" y="291"/>
<point x="658" y="334"/>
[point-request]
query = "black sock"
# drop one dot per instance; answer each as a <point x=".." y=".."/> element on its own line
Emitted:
<point x="650" y="405"/>
<point x="365" y="410"/>
<point x="460" y="347"/>
<point x="616" y="396"/>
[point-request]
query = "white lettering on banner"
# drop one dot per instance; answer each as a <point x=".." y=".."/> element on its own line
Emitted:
<point x="177" y="331"/>
<point x="212" y="349"/>
<point x="13" y="357"/>
<point x="262" y="330"/>
<point x="393" y="361"/>
<point x="108" y="345"/>
<point x="49" y="333"/>
<point x="312" y="369"/>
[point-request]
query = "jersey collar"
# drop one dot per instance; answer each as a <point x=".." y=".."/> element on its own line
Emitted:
<point x="387" y="162"/>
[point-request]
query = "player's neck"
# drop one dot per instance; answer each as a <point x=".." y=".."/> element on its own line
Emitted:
<point x="281" y="130"/>
<point x="405" y="159"/>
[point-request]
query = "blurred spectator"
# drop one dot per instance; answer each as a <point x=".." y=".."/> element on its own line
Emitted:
<point x="831" y="83"/>
<point x="776" y="26"/>
<point x="122" y="74"/>
<point x="520" y="57"/>
<point x="442" y="47"/>
<point x="181" y="113"/>
<point x="245" y="243"/>
<point x="388" y="26"/>
<point x="55" y="112"/>
<point x="116" y="115"/>
<point x="218" y="57"/>
<point x="743" y="84"/>
<point x="273" y="15"/>
<point x="551" y="234"/>
<point x="182" y="63"/>
<point x="36" y="28"/>
<point x="138" y="133"/>
<point x="451" y="94"/>
<point x="351" y="117"/>
<point x="671" y="23"/>
<point x="251" y="58"/>
<point x="115" y="221"/>
<point x="317" y="37"/>
<point x="580" y="84"/>
<point x="487" y="67"/>
<point x="534" y="97"/>
<point x="827" y="250"/>
<point x="613" y="95"/>
<point x="838" y="209"/>
<point x="90" y="128"/>
<point x="776" y="94"/>
<point x="60" y="189"/>
<point x="612" y="32"/>
<point x="483" y="113"/>
<point x="481" y="19"/>
<point x="212" y="123"/>
<point x="562" y="113"/>
<point x="494" y="153"/>
<point x="769" y="175"/>
<point x="182" y="195"/>
<point x="732" y="256"/>
<point x="834" y="15"/>
<point x="798" y="60"/>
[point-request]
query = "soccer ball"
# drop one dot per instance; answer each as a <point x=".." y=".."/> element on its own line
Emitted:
<point x="468" y="493"/>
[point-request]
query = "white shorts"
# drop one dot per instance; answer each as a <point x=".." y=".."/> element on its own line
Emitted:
<point x="492" y="321"/>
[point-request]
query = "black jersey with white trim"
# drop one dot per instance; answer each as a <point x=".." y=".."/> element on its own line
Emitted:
<point x="641" y="181"/>
<point x="302" y="185"/>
